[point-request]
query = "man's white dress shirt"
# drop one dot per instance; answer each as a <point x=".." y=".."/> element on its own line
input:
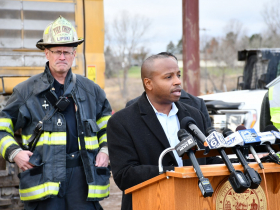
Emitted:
<point x="171" y="125"/>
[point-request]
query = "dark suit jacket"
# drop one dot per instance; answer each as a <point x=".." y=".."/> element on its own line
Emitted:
<point x="135" y="141"/>
<point x="190" y="100"/>
<point x="265" y="118"/>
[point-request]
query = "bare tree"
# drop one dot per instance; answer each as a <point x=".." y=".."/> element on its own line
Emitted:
<point x="128" y="32"/>
<point x="271" y="16"/>
<point x="141" y="54"/>
<point x="113" y="64"/>
<point x="225" y="52"/>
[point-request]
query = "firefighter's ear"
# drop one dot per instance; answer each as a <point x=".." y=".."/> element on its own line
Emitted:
<point x="47" y="53"/>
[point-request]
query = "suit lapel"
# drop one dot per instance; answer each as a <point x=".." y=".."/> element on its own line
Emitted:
<point x="149" y="117"/>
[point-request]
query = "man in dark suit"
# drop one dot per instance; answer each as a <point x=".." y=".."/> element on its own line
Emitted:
<point x="185" y="98"/>
<point x="139" y="133"/>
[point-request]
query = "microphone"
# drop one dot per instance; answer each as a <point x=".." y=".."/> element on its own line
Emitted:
<point x="249" y="137"/>
<point x="187" y="141"/>
<point x="214" y="139"/>
<point x="237" y="179"/>
<point x="268" y="138"/>
<point x="232" y="139"/>
<point x="190" y="124"/>
<point x="274" y="131"/>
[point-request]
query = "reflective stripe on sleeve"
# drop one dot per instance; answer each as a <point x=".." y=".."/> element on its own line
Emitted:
<point x="270" y="93"/>
<point x="103" y="139"/>
<point x="40" y="191"/>
<point x="98" y="191"/>
<point x="7" y="125"/>
<point x="273" y="96"/>
<point x="102" y="122"/>
<point x="25" y="139"/>
<point x="90" y="143"/>
<point x="5" y="143"/>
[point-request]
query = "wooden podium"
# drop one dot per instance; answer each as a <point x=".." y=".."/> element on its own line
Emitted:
<point x="179" y="190"/>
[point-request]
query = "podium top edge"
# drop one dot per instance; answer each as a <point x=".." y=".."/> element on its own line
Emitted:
<point x="207" y="170"/>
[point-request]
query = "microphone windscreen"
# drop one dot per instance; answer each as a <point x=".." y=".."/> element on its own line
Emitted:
<point x="227" y="132"/>
<point x="185" y="121"/>
<point x="182" y="133"/>
<point x="271" y="128"/>
<point x="210" y="130"/>
<point x="240" y="127"/>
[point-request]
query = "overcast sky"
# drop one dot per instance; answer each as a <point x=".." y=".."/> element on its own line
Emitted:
<point x="166" y="16"/>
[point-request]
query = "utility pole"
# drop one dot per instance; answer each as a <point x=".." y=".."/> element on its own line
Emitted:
<point x="205" y="59"/>
<point x="191" y="68"/>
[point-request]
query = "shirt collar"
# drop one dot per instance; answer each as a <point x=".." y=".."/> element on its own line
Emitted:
<point x="172" y="112"/>
<point x="56" y="84"/>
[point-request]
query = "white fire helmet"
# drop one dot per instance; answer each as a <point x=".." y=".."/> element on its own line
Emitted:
<point x="59" y="33"/>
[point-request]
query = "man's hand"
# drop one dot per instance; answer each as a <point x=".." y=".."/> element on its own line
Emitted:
<point x="259" y="155"/>
<point x="22" y="160"/>
<point x="102" y="160"/>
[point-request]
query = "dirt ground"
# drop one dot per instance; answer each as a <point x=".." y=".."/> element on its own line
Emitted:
<point x="115" y="198"/>
<point x="113" y="92"/>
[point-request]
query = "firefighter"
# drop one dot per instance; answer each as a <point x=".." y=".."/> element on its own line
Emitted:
<point x="63" y="117"/>
<point x="270" y="109"/>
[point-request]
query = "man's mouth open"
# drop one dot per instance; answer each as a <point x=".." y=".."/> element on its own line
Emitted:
<point x="177" y="92"/>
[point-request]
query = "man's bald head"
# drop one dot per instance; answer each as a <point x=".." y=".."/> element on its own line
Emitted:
<point x="147" y="67"/>
<point x="161" y="79"/>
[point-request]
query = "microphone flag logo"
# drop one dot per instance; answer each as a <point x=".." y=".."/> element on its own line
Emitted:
<point x="276" y="134"/>
<point x="249" y="136"/>
<point x="215" y="140"/>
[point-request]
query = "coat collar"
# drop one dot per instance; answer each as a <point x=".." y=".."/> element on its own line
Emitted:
<point x="149" y="117"/>
<point x="182" y="111"/>
<point x="184" y="94"/>
<point x="46" y="80"/>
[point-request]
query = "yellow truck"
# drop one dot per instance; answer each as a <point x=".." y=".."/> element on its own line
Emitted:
<point x="22" y="23"/>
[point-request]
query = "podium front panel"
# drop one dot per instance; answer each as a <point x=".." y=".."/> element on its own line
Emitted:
<point x="179" y="190"/>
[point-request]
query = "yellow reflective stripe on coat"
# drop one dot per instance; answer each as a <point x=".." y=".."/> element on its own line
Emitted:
<point x="5" y="143"/>
<point x="102" y="122"/>
<point x="54" y="138"/>
<point x="25" y="139"/>
<point x="98" y="191"/>
<point x="7" y="125"/>
<point x="270" y="93"/>
<point x="90" y="142"/>
<point x="274" y="104"/>
<point x="40" y="191"/>
<point x="103" y="138"/>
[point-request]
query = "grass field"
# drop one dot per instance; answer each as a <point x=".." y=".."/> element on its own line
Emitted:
<point x="135" y="72"/>
<point x="135" y="87"/>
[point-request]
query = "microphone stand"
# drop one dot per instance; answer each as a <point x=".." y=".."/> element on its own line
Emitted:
<point x="203" y="183"/>
<point x="164" y="152"/>
<point x="253" y="176"/>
